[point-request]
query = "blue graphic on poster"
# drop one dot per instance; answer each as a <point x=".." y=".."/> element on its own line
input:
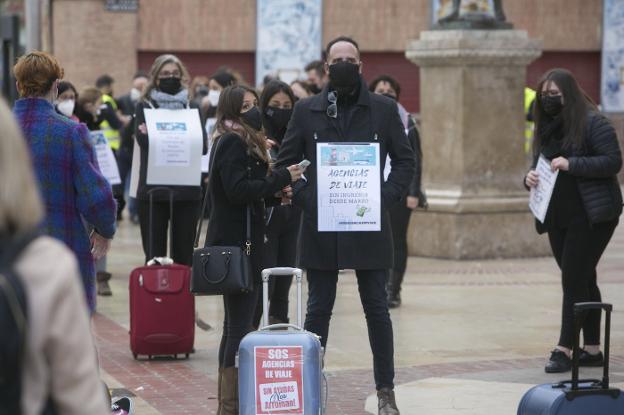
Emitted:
<point x="171" y="126"/>
<point x="348" y="155"/>
<point x="288" y="37"/>
<point x="612" y="80"/>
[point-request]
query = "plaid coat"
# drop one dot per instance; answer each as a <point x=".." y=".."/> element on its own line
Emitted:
<point x="71" y="185"/>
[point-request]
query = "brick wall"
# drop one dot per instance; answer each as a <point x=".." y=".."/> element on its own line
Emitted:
<point x="230" y="25"/>
<point x="197" y="25"/>
<point x="89" y="41"/>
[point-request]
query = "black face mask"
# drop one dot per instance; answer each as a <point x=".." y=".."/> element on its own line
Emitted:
<point x="552" y="104"/>
<point x="392" y="97"/>
<point x="315" y="89"/>
<point x="202" y="91"/>
<point x="275" y="121"/>
<point x="252" y="118"/>
<point x="170" y="85"/>
<point x="344" y="76"/>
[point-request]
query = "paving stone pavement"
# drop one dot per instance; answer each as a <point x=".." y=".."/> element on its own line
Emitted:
<point x="463" y="326"/>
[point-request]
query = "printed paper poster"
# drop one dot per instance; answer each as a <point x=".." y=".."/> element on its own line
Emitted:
<point x="279" y="380"/>
<point x="349" y="187"/>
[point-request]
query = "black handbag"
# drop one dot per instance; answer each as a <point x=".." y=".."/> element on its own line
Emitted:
<point x="219" y="270"/>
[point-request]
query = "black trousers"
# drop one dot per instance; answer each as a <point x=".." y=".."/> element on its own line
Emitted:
<point x="577" y="250"/>
<point x="239" y="313"/>
<point x="399" y="222"/>
<point x="280" y="250"/>
<point x="372" y="288"/>
<point x="184" y="223"/>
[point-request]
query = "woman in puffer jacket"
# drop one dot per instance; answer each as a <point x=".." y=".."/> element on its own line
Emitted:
<point x="585" y="205"/>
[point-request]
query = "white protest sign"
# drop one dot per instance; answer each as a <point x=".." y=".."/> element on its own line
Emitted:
<point x="105" y="157"/>
<point x="175" y="147"/>
<point x="135" y="170"/>
<point x="541" y="194"/>
<point x="349" y="187"/>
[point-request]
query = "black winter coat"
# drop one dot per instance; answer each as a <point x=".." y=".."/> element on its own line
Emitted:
<point x="375" y="119"/>
<point x="238" y="178"/>
<point x="595" y="167"/>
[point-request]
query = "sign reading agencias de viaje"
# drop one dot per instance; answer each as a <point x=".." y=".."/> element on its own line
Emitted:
<point x="122" y="5"/>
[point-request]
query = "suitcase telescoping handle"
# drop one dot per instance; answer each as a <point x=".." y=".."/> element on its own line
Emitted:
<point x="150" y="253"/>
<point x="580" y="313"/>
<point x="280" y="271"/>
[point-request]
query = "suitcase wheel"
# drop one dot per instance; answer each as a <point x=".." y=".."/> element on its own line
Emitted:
<point x="175" y="356"/>
<point x="187" y="356"/>
<point x="149" y="357"/>
<point x="136" y="356"/>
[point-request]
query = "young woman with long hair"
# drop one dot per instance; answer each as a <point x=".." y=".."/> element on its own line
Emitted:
<point x="240" y="176"/>
<point x="585" y="205"/>
<point x="283" y="221"/>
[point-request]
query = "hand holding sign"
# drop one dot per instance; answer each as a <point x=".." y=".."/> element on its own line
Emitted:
<point x="532" y="179"/>
<point x="542" y="191"/>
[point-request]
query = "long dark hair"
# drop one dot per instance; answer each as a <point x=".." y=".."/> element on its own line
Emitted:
<point x="576" y="104"/>
<point x="229" y="120"/>
<point x="273" y="87"/>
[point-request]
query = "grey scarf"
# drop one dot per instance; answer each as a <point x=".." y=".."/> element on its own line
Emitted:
<point x="172" y="102"/>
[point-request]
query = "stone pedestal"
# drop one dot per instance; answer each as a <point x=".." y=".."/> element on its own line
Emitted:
<point x="472" y="111"/>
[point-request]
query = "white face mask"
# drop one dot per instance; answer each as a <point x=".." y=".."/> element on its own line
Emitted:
<point x="213" y="97"/>
<point x="135" y="94"/>
<point x="66" y="107"/>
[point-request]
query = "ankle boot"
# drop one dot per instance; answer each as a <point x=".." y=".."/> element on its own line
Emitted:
<point x="102" y="283"/>
<point x="229" y="391"/>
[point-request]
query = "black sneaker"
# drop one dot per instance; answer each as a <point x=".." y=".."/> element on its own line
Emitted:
<point x="386" y="404"/>
<point x="588" y="359"/>
<point x="559" y="362"/>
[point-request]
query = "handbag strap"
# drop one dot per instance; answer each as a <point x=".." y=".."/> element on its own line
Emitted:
<point x="205" y="202"/>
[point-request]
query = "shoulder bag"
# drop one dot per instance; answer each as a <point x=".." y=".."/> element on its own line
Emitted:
<point x="219" y="270"/>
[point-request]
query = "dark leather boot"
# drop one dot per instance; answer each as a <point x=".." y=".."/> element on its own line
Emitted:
<point x="386" y="403"/>
<point x="102" y="283"/>
<point x="229" y="391"/>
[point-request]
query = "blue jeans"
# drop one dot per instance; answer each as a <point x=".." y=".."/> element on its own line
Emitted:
<point x="372" y="288"/>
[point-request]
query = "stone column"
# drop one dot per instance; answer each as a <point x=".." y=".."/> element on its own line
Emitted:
<point x="472" y="111"/>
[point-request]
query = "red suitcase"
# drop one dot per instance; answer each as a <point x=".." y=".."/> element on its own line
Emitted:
<point x="162" y="308"/>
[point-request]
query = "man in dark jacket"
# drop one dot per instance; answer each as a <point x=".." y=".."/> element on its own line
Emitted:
<point x="346" y="112"/>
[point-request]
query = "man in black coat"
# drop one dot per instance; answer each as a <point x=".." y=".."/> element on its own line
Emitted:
<point x="355" y="116"/>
